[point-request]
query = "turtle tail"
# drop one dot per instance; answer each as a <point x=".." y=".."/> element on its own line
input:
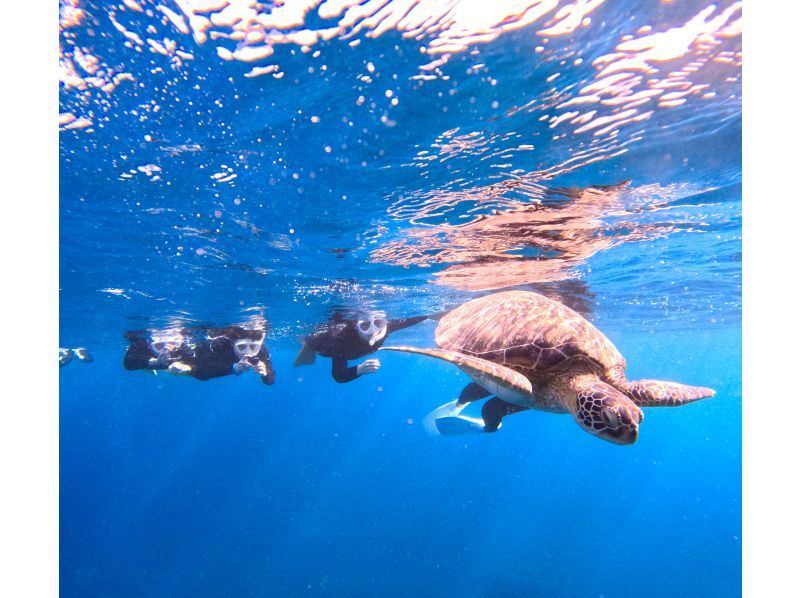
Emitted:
<point x="658" y="393"/>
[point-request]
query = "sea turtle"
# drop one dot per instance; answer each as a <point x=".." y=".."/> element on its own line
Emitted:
<point x="534" y="353"/>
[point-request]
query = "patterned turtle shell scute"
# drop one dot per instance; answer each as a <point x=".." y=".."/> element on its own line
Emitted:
<point x="525" y="330"/>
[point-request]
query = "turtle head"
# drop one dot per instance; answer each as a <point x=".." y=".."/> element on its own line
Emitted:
<point x="605" y="412"/>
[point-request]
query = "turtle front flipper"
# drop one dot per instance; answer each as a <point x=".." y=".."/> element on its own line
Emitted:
<point x="657" y="393"/>
<point x="499" y="380"/>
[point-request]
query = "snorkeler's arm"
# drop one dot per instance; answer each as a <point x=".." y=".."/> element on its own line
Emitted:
<point x="438" y="315"/>
<point x="342" y="373"/>
<point x="264" y="366"/>
<point x="395" y="325"/>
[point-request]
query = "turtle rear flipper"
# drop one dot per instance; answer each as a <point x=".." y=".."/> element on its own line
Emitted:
<point x="658" y="393"/>
<point x="448" y="421"/>
<point x="306" y="356"/>
<point x="496" y="379"/>
<point x="494" y="410"/>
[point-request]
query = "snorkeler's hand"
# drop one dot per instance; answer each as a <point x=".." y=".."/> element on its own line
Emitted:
<point x="241" y="366"/>
<point x="370" y="366"/>
<point x="260" y="368"/>
<point x="179" y="368"/>
<point x="160" y="361"/>
<point x="267" y="374"/>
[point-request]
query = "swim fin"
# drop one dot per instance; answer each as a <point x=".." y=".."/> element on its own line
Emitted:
<point x="306" y="356"/>
<point x="460" y="424"/>
<point x="448" y="421"/>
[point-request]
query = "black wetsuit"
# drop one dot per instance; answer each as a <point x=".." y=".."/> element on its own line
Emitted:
<point x="209" y="353"/>
<point x="339" y="340"/>
<point x="215" y="357"/>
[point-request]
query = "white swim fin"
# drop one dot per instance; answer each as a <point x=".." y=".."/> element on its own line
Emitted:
<point x="450" y="409"/>
<point x="459" y="424"/>
<point x="448" y="421"/>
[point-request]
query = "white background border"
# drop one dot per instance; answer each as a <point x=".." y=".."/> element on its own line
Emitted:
<point x="29" y="309"/>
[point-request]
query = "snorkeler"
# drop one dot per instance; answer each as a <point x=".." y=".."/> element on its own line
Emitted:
<point x="80" y="353"/>
<point x="343" y="340"/>
<point x="157" y="350"/>
<point x="231" y="350"/>
<point x="202" y="353"/>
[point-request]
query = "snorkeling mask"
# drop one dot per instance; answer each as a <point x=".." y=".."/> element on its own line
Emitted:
<point x="245" y="347"/>
<point x="161" y="344"/>
<point x="372" y="327"/>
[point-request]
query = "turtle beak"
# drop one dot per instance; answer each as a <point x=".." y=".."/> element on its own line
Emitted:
<point x="623" y="424"/>
<point x="626" y="435"/>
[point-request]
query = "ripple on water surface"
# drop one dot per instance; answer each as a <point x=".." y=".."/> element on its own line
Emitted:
<point x="221" y="159"/>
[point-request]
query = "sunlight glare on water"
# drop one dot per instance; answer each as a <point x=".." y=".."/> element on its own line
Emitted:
<point x="452" y="123"/>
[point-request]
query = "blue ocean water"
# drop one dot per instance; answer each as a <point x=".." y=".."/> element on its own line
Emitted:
<point x="404" y="157"/>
